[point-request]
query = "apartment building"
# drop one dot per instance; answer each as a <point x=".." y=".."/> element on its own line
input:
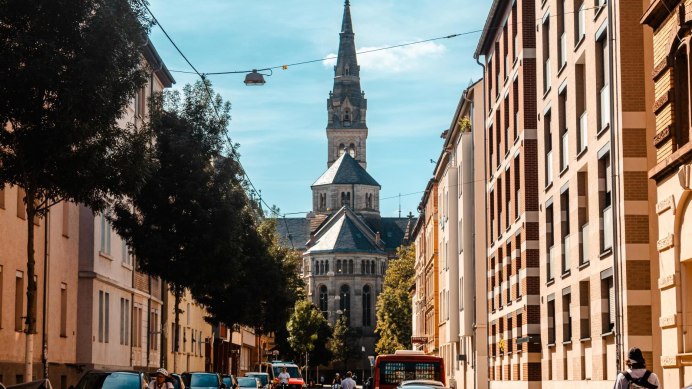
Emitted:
<point x="511" y="187"/>
<point x="119" y="308"/>
<point x="462" y="271"/>
<point x="671" y="170"/>
<point x="596" y="260"/>
<point x="425" y="235"/>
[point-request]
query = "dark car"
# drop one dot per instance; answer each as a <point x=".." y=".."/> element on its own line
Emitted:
<point x="202" y="381"/>
<point x="248" y="383"/>
<point x="230" y="381"/>
<point x="101" y="379"/>
<point x="262" y="377"/>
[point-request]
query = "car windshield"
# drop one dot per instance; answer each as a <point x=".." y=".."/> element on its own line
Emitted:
<point x="204" y="380"/>
<point x="247" y="382"/>
<point x="291" y="370"/>
<point x="122" y="381"/>
<point x="227" y="381"/>
<point x="264" y="379"/>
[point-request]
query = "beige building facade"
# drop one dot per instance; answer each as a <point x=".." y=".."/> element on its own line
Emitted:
<point x="671" y="171"/>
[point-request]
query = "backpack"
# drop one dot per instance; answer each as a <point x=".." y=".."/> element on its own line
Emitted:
<point x="639" y="383"/>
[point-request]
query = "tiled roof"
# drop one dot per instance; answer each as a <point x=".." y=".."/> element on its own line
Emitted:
<point x="344" y="235"/>
<point x="293" y="232"/>
<point x="346" y="170"/>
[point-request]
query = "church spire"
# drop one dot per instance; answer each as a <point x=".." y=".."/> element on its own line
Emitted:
<point x="346" y="106"/>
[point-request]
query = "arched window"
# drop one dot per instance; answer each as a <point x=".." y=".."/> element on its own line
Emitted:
<point x="338" y="266"/>
<point x="352" y="150"/>
<point x="345" y="301"/>
<point x="362" y="267"/>
<point x="340" y="152"/>
<point x="324" y="301"/>
<point x="682" y="96"/>
<point x="326" y="266"/>
<point x="346" y="198"/>
<point x="316" y="268"/>
<point x="372" y="267"/>
<point x="367" y="307"/>
<point x="350" y="266"/>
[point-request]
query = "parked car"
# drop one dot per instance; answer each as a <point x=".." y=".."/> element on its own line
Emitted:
<point x="117" y="379"/>
<point x="202" y="381"/>
<point x="230" y="381"/>
<point x="422" y="383"/>
<point x="248" y="383"/>
<point x="177" y="381"/>
<point x="263" y="378"/>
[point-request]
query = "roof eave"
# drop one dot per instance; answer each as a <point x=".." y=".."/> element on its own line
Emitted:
<point x="489" y="22"/>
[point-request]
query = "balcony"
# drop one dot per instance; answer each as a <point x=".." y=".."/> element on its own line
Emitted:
<point x="584" y="239"/>
<point x="566" y="248"/>
<point x="564" y="142"/>
<point x="551" y="264"/>
<point x="546" y="75"/>
<point x="563" y="50"/>
<point x="549" y="168"/>
<point x="583" y="131"/>
<point x="604" y="107"/>
<point x="607" y="228"/>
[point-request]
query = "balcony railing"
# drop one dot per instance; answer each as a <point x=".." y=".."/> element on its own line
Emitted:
<point x="563" y="50"/>
<point x="564" y="160"/>
<point x="565" y="254"/>
<point x="605" y="106"/>
<point x="584" y="238"/>
<point x="608" y="228"/>
<point x="581" y="26"/>
<point x="546" y="75"/>
<point x="551" y="263"/>
<point x="549" y="168"/>
<point x="583" y="131"/>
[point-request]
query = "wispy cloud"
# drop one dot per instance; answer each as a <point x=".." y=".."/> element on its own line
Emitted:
<point x="395" y="60"/>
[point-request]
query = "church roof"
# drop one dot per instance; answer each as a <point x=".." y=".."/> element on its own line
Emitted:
<point x="346" y="170"/>
<point x="345" y="233"/>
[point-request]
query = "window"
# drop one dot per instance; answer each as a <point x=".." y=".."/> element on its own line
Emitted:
<point x="579" y="21"/>
<point x="105" y="235"/>
<point x="104" y="318"/>
<point x="350" y="266"/>
<point x="324" y="301"/>
<point x="564" y="133"/>
<point x="548" y="141"/>
<point x="153" y="329"/>
<point x="362" y="267"/>
<point x="352" y="150"/>
<point x="21" y="208"/>
<point x="345" y="301"/>
<point x="602" y="81"/>
<point x="137" y="329"/>
<point x="346" y="199"/>
<point x="607" y="302"/>
<point x="562" y="36"/>
<point x="515" y="34"/>
<point x="367" y="307"/>
<point x="517" y="186"/>
<point x="580" y="105"/>
<point x="19" y="302"/>
<point x="565" y="230"/>
<point x="372" y="267"/>
<point x="124" y="252"/>
<point x="510" y="341"/>
<point x="140" y="102"/>
<point x="566" y="315"/>
<point x="551" y="319"/>
<point x="347" y="117"/>
<point x="490" y="151"/>
<point x="682" y="100"/>
<point x="584" y="310"/>
<point x="605" y="176"/>
<point x="63" y="310"/>
<point x="2" y="196"/>
<point x="124" y="321"/>
<point x="517" y="244"/>
<point x="546" y="53"/>
<point x="508" y="196"/>
<point x="583" y="216"/>
<point x="65" y="219"/>
<point x="515" y="93"/>
<point x="549" y="242"/>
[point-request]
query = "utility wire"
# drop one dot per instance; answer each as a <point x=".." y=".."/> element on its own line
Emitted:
<point x="211" y="101"/>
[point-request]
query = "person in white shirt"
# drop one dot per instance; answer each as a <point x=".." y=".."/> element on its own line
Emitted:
<point x="283" y="377"/>
<point x="161" y="380"/>
<point x="348" y="382"/>
<point x="636" y="376"/>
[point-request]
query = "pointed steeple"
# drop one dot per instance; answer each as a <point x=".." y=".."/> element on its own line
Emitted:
<point x="347" y="106"/>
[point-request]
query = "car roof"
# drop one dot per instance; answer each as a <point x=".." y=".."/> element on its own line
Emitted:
<point x="256" y="373"/>
<point x="422" y="382"/>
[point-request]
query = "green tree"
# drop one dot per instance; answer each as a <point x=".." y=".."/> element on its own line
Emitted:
<point x="68" y="70"/>
<point x="186" y="223"/>
<point x="394" y="303"/>
<point x="308" y="332"/>
<point x="345" y="344"/>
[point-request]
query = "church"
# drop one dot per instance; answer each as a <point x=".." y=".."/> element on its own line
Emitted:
<point x="345" y="242"/>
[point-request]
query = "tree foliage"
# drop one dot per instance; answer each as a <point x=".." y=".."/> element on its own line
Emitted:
<point x="68" y="70"/>
<point x="345" y="344"/>
<point x="394" y="303"/>
<point x="309" y="332"/>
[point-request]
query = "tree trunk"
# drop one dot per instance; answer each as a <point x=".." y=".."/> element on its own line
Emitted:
<point x="177" y="293"/>
<point x="30" y="322"/>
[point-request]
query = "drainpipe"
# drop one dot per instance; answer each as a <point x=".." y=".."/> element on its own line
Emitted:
<point x="615" y="179"/>
<point x="485" y="225"/>
<point x="44" y="352"/>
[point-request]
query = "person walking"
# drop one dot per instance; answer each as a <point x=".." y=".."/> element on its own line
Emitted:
<point x="161" y="380"/>
<point x="348" y="382"/>
<point x="336" y="383"/>
<point x="636" y="376"/>
<point x="283" y="378"/>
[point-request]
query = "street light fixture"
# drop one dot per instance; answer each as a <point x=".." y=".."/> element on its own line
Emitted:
<point x="255" y="78"/>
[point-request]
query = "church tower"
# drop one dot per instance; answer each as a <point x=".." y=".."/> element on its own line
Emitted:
<point x="346" y="106"/>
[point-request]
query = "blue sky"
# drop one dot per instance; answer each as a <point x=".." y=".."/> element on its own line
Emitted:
<point x="412" y="92"/>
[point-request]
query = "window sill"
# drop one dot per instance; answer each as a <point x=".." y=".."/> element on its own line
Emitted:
<point x="600" y="10"/>
<point x="582" y="152"/>
<point x="562" y="68"/>
<point x="602" y="131"/>
<point x="105" y="255"/>
<point x="606" y="252"/>
<point x="584" y="265"/>
<point x="579" y="42"/>
<point x="607" y="334"/>
<point x="509" y="303"/>
<point x="567" y="343"/>
<point x="63" y="336"/>
<point x="550" y="345"/>
<point x="518" y="217"/>
<point x="547" y="187"/>
<point x="566" y="274"/>
<point x="550" y="282"/>
<point x="545" y="93"/>
<point x="563" y="171"/>
<point x="587" y="339"/>
<point x="126" y="265"/>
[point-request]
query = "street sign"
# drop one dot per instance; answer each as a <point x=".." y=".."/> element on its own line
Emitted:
<point x="419" y="339"/>
<point x="371" y="358"/>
